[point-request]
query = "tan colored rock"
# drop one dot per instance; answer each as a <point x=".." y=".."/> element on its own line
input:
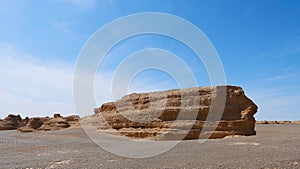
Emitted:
<point x="173" y="114"/>
<point x="297" y="122"/>
<point x="12" y="122"/>
<point x="73" y="120"/>
<point x="278" y="122"/>
<point x="48" y="124"/>
<point x="54" y="124"/>
<point x="26" y="129"/>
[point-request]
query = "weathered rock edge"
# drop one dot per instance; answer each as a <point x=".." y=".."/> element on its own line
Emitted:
<point x="154" y="115"/>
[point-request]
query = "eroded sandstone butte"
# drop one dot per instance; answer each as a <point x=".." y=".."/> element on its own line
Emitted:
<point x="181" y="114"/>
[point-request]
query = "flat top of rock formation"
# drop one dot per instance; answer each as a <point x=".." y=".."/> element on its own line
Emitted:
<point x="191" y="89"/>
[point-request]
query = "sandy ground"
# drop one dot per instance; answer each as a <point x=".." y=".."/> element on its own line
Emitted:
<point x="274" y="146"/>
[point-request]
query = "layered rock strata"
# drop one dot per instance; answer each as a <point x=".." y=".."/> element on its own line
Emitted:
<point x="201" y="112"/>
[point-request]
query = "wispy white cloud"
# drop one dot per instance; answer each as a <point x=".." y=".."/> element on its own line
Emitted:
<point x="249" y="11"/>
<point x="92" y="4"/>
<point x="84" y="3"/>
<point x="280" y="77"/>
<point x="264" y="54"/>
<point x="275" y="102"/>
<point x="265" y="93"/>
<point x="62" y="26"/>
<point x="288" y="69"/>
<point x="284" y="107"/>
<point x="291" y="46"/>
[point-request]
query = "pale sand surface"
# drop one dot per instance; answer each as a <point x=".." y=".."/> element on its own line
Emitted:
<point x="274" y="146"/>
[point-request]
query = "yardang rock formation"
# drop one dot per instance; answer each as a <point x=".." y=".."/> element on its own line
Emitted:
<point x="13" y="122"/>
<point x="205" y="112"/>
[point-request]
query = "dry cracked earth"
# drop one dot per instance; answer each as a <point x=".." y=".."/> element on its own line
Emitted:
<point x="274" y="146"/>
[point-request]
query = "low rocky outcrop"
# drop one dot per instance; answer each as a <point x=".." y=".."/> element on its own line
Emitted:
<point x="278" y="122"/>
<point x="57" y="122"/>
<point x="201" y="112"/>
<point x="13" y="122"/>
<point x="73" y="120"/>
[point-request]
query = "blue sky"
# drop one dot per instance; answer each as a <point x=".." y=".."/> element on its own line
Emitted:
<point x="258" y="43"/>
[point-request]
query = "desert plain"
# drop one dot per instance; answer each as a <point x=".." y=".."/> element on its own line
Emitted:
<point x="274" y="146"/>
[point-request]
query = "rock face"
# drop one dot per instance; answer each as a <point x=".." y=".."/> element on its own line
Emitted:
<point x="35" y="123"/>
<point x="55" y="123"/>
<point x="12" y="122"/>
<point x="205" y="112"/>
<point x="72" y="120"/>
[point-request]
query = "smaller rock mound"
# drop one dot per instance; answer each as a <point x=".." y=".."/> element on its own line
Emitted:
<point x="278" y="122"/>
<point x="12" y="122"/>
<point x="73" y="120"/>
<point x="54" y="124"/>
<point x="35" y="123"/>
